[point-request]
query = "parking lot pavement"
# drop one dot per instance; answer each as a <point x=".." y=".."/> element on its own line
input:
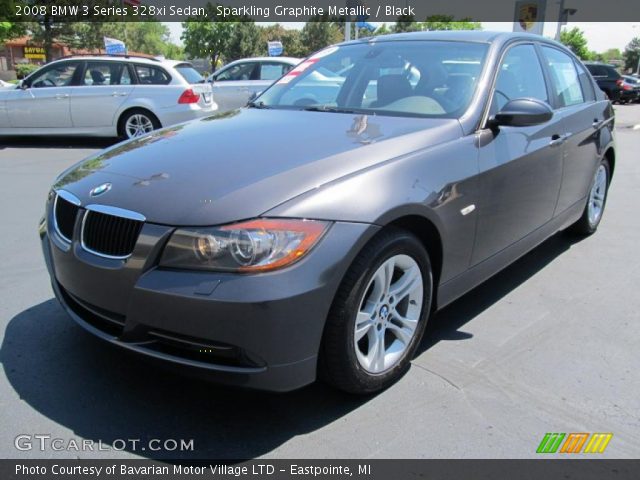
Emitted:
<point x="547" y="345"/>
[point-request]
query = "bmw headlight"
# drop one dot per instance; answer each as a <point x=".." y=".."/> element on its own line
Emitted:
<point x="253" y="246"/>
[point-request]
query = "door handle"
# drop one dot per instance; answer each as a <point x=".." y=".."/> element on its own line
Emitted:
<point x="61" y="96"/>
<point x="118" y="94"/>
<point x="557" y="140"/>
<point x="243" y="89"/>
<point x="596" y="123"/>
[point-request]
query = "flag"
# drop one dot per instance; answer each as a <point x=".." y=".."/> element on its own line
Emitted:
<point x="274" y="48"/>
<point x="113" y="46"/>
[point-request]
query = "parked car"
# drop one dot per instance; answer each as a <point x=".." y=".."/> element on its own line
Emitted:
<point x="608" y="79"/>
<point x="237" y="82"/>
<point x="630" y="89"/>
<point x="319" y="238"/>
<point x="103" y="95"/>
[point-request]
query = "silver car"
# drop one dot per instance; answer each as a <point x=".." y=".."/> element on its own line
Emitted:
<point x="106" y="96"/>
<point x="235" y="83"/>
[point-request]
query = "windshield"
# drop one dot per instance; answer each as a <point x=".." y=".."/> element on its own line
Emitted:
<point x="405" y="78"/>
<point x="189" y="73"/>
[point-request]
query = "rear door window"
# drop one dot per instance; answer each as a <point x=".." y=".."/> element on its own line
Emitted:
<point x="272" y="70"/>
<point x="106" y="73"/>
<point x="566" y="84"/>
<point x="585" y="83"/>
<point x="150" y="75"/>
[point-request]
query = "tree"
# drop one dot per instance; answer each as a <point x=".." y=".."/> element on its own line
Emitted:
<point x="90" y="35"/>
<point x="447" y="22"/>
<point x="576" y="41"/>
<point x="406" y="23"/>
<point x="9" y="30"/>
<point x="144" y="37"/>
<point x="291" y="40"/>
<point x="319" y="33"/>
<point x="208" y="39"/>
<point x="631" y="54"/>
<point x="244" y="41"/>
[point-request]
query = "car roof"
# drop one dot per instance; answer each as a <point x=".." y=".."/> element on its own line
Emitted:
<point x="289" y="60"/>
<point x="484" y="36"/>
<point x="124" y="58"/>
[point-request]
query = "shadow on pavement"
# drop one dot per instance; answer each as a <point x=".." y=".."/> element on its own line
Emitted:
<point x="446" y="324"/>
<point x="103" y="393"/>
<point x="56" y="142"/>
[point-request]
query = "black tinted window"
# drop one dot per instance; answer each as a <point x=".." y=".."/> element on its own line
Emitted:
<point x="566" y="84"/>
<point x="148" y="75"/>
<point x="520" y="76"/>
<point x="241" y="71"/>
<point x="585" y="83"/>
<point x="57" y="75"/>
<point x="106" y="73"/>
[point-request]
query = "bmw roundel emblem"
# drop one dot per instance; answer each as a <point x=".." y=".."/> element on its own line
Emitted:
<point x="100" y="189"/>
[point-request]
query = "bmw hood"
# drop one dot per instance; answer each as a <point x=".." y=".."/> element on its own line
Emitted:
<point x="240" y="164"/>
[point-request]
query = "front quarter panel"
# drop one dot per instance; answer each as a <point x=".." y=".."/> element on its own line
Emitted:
<point x="437" y="183"/>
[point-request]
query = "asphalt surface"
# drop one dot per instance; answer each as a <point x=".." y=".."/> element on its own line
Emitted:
<point x="548" y="345"/>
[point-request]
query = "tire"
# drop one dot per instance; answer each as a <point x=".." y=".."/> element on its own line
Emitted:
<point x="146" y="120"/>
<point x="344" y="360"/>
<point x="596" y="202"/>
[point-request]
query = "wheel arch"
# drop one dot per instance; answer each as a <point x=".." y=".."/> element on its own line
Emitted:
<point x="130" y="108"/>
<point x="610" y="155"/>
<point x="429" y="235"/>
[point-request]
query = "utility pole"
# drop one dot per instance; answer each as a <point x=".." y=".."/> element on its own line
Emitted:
<point x="347" y="30"/>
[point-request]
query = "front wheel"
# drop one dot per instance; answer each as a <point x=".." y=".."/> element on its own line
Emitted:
<point x="379" y="315"/>
<point x="596" y="201"/>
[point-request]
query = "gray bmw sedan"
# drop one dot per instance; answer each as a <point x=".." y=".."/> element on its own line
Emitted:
<point x="314" y="232"/>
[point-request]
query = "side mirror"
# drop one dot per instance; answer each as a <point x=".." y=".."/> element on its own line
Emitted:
<point x="522" y="112"/>
<point x="22" y="85"/>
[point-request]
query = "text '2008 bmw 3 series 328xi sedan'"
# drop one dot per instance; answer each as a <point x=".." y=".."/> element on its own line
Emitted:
<point x="313" y="233"/>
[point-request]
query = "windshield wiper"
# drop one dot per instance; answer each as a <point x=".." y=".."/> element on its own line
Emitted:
<point x="328" y="108"/>
<point x="259" y="104"/>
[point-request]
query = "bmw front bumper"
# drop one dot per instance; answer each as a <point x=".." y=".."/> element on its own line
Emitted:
<point x="260" y="331"/>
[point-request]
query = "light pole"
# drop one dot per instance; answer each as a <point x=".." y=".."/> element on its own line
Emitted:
<point x="638" y="66"/>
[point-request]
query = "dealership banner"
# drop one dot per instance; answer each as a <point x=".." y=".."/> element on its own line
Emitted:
<point x="318" y="10"/>
<point x="322" y="469"/>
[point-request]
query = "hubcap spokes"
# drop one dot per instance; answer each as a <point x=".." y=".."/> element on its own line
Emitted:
<point x="389" y="312"/>
<point x="597" y="195"/>
<point x="138" y="125"/>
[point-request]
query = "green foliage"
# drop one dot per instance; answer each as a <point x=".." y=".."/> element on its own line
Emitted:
<point x="207" y="39"/>
<point x="631" y="54"/>
<point x="577" y="42"/>
<point x="291" y="40"/>
<point x="320" y="33"/>
<point x="244" y="41"/>
<point x="24" y="69"/>
<point x="406" y="23"/>
<point x="447" y="22"/>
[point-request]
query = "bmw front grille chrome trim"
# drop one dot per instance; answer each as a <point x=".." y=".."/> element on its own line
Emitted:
<point x="69" y="197"/>
<point x="115" y="212"/>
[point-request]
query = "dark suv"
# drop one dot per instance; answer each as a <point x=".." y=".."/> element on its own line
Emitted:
<point x="607" y="78"/>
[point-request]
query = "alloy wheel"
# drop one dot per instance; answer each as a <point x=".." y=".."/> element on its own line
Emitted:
<point x="137" y="125"/>
<point x="597" y="195"/>
<point x="389" y="312"/>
